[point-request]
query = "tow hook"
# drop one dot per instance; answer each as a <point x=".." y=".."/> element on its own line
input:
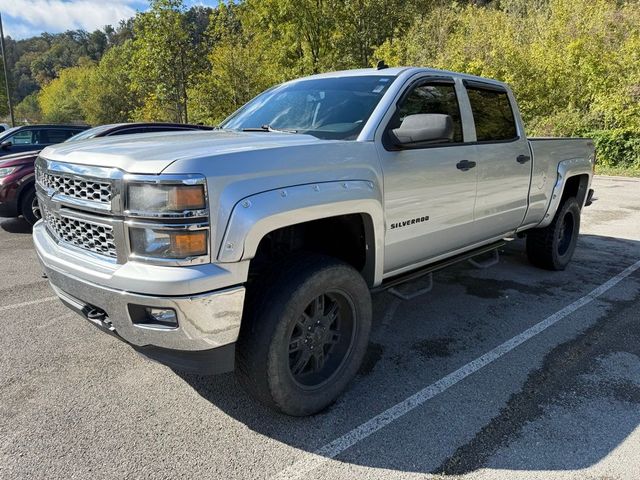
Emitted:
<point x="96" y="315"/>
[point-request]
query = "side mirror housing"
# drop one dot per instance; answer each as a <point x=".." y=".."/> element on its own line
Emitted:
<point x="423" y="129"/>
<point x="5" y="145"/>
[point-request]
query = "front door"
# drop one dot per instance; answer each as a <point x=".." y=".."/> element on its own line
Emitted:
<point x="430" y="191"/>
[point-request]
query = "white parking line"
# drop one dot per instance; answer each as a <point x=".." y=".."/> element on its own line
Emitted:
<point x="26" y="304"/>
<point x="331" y="450"/>
<point x="55" y="320"/>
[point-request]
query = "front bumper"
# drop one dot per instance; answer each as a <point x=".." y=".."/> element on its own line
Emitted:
<point x="205" y="320"/>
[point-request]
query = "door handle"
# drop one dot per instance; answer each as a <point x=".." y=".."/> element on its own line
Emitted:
<point x="523" y="158"/>
<point x="465" y="165"/>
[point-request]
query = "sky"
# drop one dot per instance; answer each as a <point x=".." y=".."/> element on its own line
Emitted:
<point x="26" y="18"/>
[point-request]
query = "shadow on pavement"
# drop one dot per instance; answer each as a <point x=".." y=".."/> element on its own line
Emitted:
<point x="570" y="413"/>
<point x="15" y="225"/>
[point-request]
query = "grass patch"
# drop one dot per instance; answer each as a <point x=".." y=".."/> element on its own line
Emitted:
<point x="617" y="171"/>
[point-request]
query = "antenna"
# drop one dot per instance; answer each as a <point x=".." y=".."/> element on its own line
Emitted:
<point x="381" y="65"/>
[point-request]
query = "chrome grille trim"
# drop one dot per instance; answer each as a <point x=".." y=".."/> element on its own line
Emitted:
<point x="86" y="187"/>
<point x="82" y="189"/>
<point x="95" y="237"/>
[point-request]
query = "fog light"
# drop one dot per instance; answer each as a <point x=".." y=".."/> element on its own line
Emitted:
<point x="163" y="316"/>
<point x="153" y="316"/>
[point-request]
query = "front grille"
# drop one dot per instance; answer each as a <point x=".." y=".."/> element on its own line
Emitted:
<point x="81" y="233"/>
<point x="83" y="189"/>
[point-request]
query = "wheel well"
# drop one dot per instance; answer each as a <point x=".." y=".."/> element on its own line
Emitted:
<point x="576" y="187"/>
<point x="347" y="237"/>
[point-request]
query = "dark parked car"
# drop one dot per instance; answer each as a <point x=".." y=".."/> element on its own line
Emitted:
<point x="35" y="137"/>
<point x="17" y="192"/>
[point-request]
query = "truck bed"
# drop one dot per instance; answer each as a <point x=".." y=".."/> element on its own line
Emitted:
<point x="548" y="153"/>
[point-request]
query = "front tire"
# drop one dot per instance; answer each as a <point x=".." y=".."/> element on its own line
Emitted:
<point x="29" y="206"/>
<point x="304" y="335"/>
<point x="552" y="247"/>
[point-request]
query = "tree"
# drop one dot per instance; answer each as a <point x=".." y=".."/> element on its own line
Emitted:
<point x="163" y="62"/>
<point x="108" y="94"/>
<point x="28" y="110"/>
<point x="62" y="99"/>
<point x="238" y="66"/>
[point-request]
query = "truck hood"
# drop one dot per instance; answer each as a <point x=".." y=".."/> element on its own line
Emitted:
<point x="153" y="152"/>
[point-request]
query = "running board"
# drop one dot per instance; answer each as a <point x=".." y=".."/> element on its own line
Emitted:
<point x="427" y="269"/>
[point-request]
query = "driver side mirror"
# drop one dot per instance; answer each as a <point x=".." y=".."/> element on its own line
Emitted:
<point x="5" y="145"/>
<point x="423" y="129"/>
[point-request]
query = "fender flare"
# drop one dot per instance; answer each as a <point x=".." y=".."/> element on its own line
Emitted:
<point x="566" y="169"/>
<point x="255" y="216"/>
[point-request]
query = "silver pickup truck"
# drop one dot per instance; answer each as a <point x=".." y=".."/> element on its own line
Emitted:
<point x="256" y="247"/>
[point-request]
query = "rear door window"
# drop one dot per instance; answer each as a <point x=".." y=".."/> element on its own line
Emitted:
<point x="59" y="135"/>
<point x="492" y="115"/>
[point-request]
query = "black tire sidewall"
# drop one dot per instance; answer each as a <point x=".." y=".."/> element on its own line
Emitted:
<point x="569" y="206"/>
<point x="273" y="302"/>
<point x="287" y="393"/>
<point x="25" y="205"/>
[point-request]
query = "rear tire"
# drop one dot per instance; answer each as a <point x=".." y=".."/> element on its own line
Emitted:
<point x="304" y="334"/>
<point x="552" y="247"/>
<point x="29" y="206"/>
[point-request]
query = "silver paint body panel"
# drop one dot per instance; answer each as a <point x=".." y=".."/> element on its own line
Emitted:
<point x="258" y="182"/>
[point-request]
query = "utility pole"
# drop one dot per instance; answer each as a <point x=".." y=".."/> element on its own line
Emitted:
<point x="6" y="76"/>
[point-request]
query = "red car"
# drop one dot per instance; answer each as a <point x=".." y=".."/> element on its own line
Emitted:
<point x="17" y="191"/>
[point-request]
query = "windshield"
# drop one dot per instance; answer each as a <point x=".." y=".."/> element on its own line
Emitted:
<point x="331" y="108"/>
<point x="92" y="132"/>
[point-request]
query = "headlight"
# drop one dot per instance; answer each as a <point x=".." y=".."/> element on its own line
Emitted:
<point x="7" y="171"/>
<point x="168" y="244"/>
<point x="162" y="199"/>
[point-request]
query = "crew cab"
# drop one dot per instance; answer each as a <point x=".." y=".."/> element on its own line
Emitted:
<point x="256" y="247"/>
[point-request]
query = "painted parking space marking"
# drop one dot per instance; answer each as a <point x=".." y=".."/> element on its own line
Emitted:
<point x="26" y="304"/>
<point x="331" y="450"/>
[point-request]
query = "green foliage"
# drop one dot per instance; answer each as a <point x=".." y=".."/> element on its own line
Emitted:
<point x="108" y="94"/>
<point x="28" y="110"/>
<point x="62" y="100"/>
<point x="574" y="65"/>
<point x="617" y="148"/>
<point x="163" y="62"/>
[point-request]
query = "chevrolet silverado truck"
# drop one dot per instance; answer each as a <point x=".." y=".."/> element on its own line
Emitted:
<point x="256" y="247"/>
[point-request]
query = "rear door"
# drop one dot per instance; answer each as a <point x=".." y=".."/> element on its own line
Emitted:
<point x="428" y="196"/>
<point x="504" y="160"/>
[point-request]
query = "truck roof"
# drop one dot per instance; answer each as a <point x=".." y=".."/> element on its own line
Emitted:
<point x="397" y="71"/>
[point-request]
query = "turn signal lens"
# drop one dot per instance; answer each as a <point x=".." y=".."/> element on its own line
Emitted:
<point x="168" y="244"/>
<point x="152" y="198"/>
<point x="189" y="244"/>
<point x="186" y="197"/>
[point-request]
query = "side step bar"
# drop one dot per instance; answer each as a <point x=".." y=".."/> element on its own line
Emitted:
<point x="447" y="262"/>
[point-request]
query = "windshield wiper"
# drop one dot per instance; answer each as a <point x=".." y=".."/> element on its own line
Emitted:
<point x="268" y="128"/>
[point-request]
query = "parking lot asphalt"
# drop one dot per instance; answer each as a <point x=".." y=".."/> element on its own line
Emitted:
<point x="508" y="372"/>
